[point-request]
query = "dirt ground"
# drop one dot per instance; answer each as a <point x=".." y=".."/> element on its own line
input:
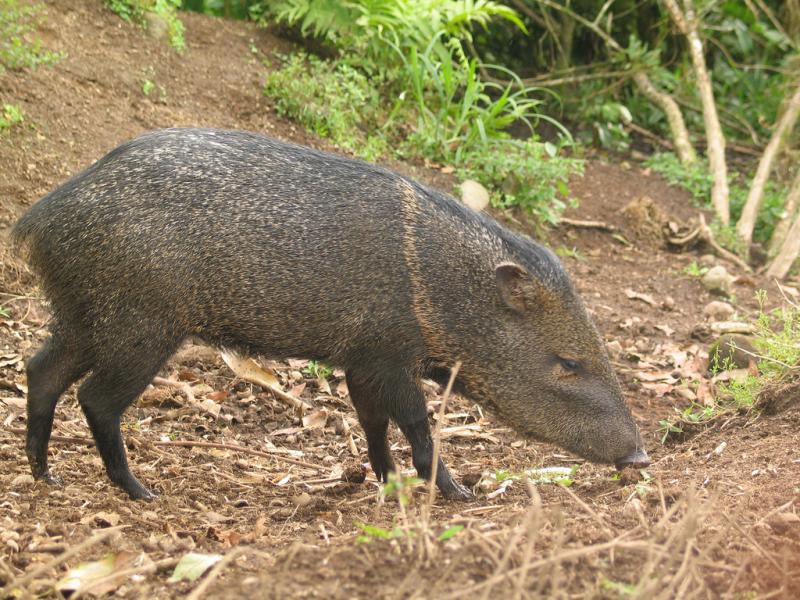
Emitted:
<point x="715" y="515"/>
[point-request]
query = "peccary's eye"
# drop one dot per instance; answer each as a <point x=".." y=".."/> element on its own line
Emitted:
<point x="569" y="364"/>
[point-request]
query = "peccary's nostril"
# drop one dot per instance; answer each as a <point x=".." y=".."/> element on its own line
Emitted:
<point x="637" y="458"/>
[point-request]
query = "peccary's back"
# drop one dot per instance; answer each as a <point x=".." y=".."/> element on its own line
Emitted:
<point x="232" y="237"/>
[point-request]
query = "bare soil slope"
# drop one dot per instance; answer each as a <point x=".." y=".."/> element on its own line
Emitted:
<point x="715" y="517"/>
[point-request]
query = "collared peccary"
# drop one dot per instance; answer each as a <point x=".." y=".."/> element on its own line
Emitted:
<point x="279" y="250"/>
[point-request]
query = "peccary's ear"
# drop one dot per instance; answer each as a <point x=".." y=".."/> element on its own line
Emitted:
<point x="519" y="290"/>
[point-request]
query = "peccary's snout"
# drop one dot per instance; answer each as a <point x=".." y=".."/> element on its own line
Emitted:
<point x="638" y="458"/>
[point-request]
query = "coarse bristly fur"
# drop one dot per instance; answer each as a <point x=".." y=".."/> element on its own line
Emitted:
<point x="275" y="249"/>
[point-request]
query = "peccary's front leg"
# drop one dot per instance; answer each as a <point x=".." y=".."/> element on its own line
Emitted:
<point x="397" y="395"/>
<point x="418" y="435"/>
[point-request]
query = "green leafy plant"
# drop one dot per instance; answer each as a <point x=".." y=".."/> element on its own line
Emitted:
<point x="445" y="111"/>
<point x="333" y="100"/>
<point x="695" y="269"/>
<point x="317" y="370"/>
<point x="608" y="117"/>
<point x="776" y="338"/>
<point x="17" y="49"/>
<point x="527" y="174"/>
<point x="373" y="532"/>
<point x="567" y="252"/>
<point x="148" y="86"/>
<point x="10" y="115"/>
<point x="667" y="428"/>
<point x="377" y="34"/>
<point x="136" y="11"/>
<point x="545" y="475"/>
<point x="457" y="112"/>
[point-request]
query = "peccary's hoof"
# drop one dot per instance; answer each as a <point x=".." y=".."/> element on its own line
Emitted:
<point x="50" y="479"/>
<point x="138" y="492"/>
<point x="456" y="491"/>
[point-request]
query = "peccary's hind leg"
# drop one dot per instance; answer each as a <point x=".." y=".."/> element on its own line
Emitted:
<point x="105" y="395"/>
<point x="56" y="366"/>
<point x="374" y="420"/>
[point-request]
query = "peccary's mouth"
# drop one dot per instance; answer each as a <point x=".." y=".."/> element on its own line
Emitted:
<point x="637" y="459"/>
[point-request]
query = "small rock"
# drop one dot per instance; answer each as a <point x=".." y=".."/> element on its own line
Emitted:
<point x="156" y="25"/>
<point x="301" y="500"/>
<point x="22" y="481"/>
<point x="717" y="280"/>
<point x="718" y="310"/>
<point x="354" y="472"/>
<point x="474" y="195"/>
<point x="731" y="351"/>
<point x="629" y="475"/>
<point x="471" y="479"/>
<point x="668" y="303"/>
<point x="634" y="509"/>
<point x="707" y="260"/>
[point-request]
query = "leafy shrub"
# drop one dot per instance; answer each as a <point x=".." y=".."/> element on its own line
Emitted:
<point x="136" y="10"/>
<point x="333" y="100"/>
<point x="377" y="34"/>
<point x="776" y="338"/>
<point x="526" y="174"/>
<point x="698" y="182"/>
<point x="456" y="110"/>
<point x="406" y="60"/>
<point x="17" y="50"/>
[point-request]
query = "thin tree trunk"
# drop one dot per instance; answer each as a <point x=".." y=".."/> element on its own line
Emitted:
<point x="677" y="126"/>
<point x="680" y="134"/>
<point x="790" y="207"/>
<point x="687" y="23"/>
<point x="782" y="263"/>
<point x="786" y="123"/>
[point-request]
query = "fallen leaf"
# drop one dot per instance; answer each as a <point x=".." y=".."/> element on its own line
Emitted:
<point x="668" y="331"/>
<point x="660" y="389"/>
<point x="193" y="565"/>
<point x="324" y="386"/>
<point x="662" y="377"/>
<point x="316" y="419"/>
<point x="14" y="402"/>
<point x="249" y="369"/>
<point x="210" y="407"/>
<point x="705" y="393"/>
<point x="86" y="576"/>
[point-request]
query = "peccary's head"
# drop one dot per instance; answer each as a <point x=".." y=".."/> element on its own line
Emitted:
<point x="545" y="370"/>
